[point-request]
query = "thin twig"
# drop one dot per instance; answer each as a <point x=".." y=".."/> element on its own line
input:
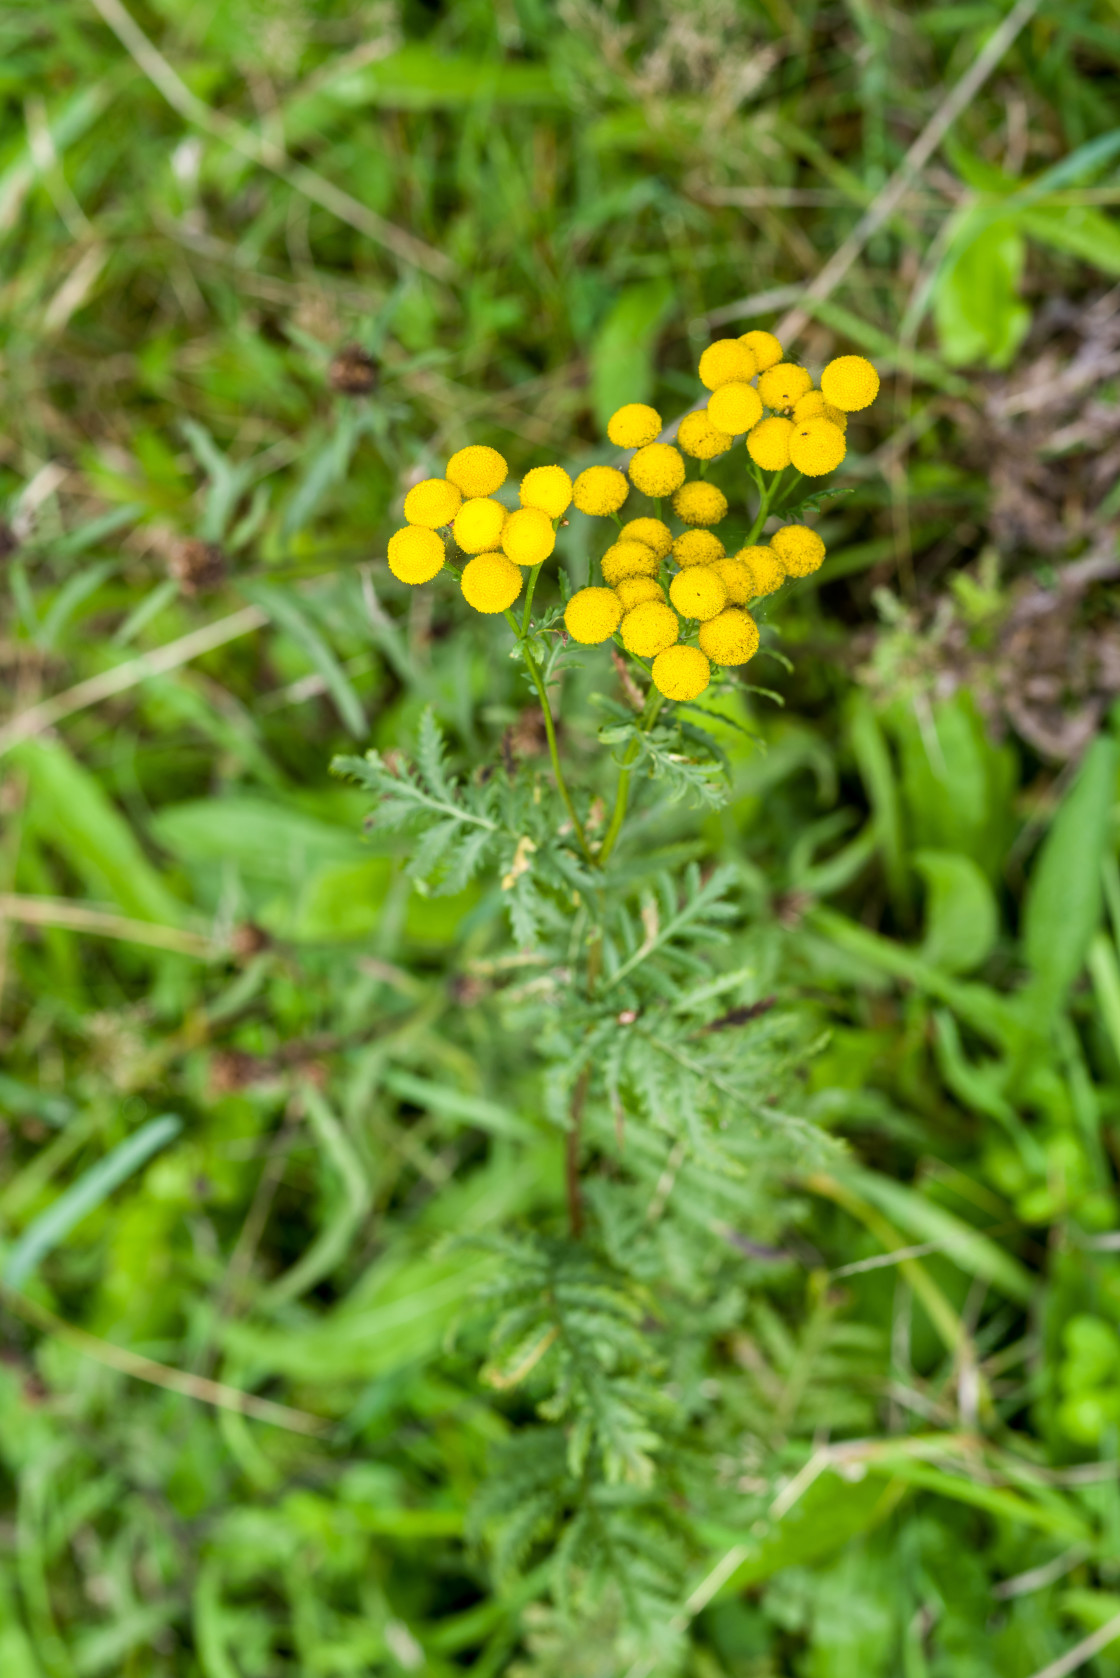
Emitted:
<point x="1083" y="1651"/>
<point x="105" y="923"/>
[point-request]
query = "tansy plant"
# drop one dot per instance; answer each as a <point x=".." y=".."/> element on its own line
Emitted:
<point x="636" y="983"/>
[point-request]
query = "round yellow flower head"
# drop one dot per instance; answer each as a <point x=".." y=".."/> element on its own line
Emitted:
<point x="477" y="470"/>
<point x="632" y="591"/>
<point x="850" y="382"/>
<point x="648" y="629"/>
<point x="600" y="489"/>
<point x="628" y="559"/>
<point x="432" y="503"/>
<point x="657" y="470"/>
<point x="768" y="443"/>
<point x="731" y="637"/>
<point x="592" y="615"/>
<point x="700" y="503"/>
<point x="652" y="532"/>
<point x="698" y="592"/>
<point x="415" y="554"/>
<point x="697" y="436"/>
<point x="737" y="579"/>
<point x="816" y="447"/>
<point x="799" y="549"/>
<point x="764" y="347"/>
<point x="681" y="672"/>
<point x="478" y="524"/>
<point x="548" y="488"/>
<point x="528" y="536"/>
<point x="780" y="386"/>
<point x="491" y="583"/>
<point x="809" y="405"/>
<point x="698" y="547"/>
<point x="725" y="360"/>
<point x="766" y="568"/>
<point x="633" y="426"/>
<point x="735" y="407"/>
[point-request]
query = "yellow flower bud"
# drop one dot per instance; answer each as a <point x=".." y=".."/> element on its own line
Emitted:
<point x="657" y="470"/>
<point x="600" y="490"/>
<point x="809" y="406"/>
<point x="491" y="583"/>
<point x="737" y="579"/>
<point x="648" y="629"/>
<point x="632" y="591"/>
<point x="478" y="524"/>
<point x="633" y="426"/>
<point x="432" y="503"/>
<point x="681" y="672"/>
<point x="698" y="592"/>
<point x="726" y="360"/>
<point x="731" y="637"/>
<point x="528" y="536"/>
<point x="780" y="386"/>
<point x="816" y="447"/>
<point x="766" y="568"/>
<point x="799" y="549"/>
<point x="415" y="554"/>
<point x="697" y="547"/>
<point x="477" y="470"/>
<point x="697" y="436"/>
<point x="547" y="487"/>
<point x="768" y="443"/>
<point x="628" y="559"/>
<point x="652" y="532"/>
<point x="850" y="382"/>
<point x="764" y="347"/>
<point x="699" y="503"/>
<point x="735" y="408"/>
<point x="592" y="615"/>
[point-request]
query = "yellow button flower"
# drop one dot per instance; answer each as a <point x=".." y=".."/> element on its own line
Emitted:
<point x="780" y="386"/>
<point x="528" y="536"/>
<point x="764" y="347"/>
<point x="767" y="569"/>
<point x="697" y="436"/>
<point x="478" y="524"/>
<point x="592" y="615"/>
<point x="809" y="405"/>
<point x="799" y="549"/>
<point x="697" y="547"/>
<point x="681" y="672"/>
<point x="731" y="637"/>
<point x="700" y="503"/>
<point x="491" y="583"/>
<point x="432" y="503"/>
<point x="632" y="591"/>
<point x="548" y="488"/>
<point x="698" y="592"/>
<point x="633" y="426"/>
<point x="726" y="360"/>
<point x="600" y="489"/>
<point x="850" y="382"/>
<point x="628" y="559"/>
<point x="816" y="447"/>
<point x="477" y="470"/>
<point x="657" y="470"/>
<point x="415" y="554"/>
<point x="768" y="443"/>
<point x="648" y="629"/>
<point x="737" y="579"/>
<point x="735" y="407"/>
<point x="652" y="532"/>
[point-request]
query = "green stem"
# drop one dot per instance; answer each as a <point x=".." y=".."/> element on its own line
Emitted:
<point x="649" y="716"/>
<point x="550" y="731"/>
<point x="533" y="575"/>
<point x="767" y="495"/>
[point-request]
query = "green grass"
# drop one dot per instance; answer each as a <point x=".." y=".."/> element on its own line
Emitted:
<point x="527" y="214"/>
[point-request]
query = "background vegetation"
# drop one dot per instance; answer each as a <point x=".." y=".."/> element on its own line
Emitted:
<point x="252" y="1079"/>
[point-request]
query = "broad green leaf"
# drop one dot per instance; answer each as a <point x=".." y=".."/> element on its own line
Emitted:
<point x="51" y="1227"/>
<point x="832" y="1511"/>
<point x="1062" y="907"/>
<point x="268" y="841"/>
<point x="976" y="304"/>
<point x="416" y="78"/>
<point x="622" y="351"/>
<point x="957" y="785"/>
<point x="962" y="921"/>
<point x="877" y="773"/>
